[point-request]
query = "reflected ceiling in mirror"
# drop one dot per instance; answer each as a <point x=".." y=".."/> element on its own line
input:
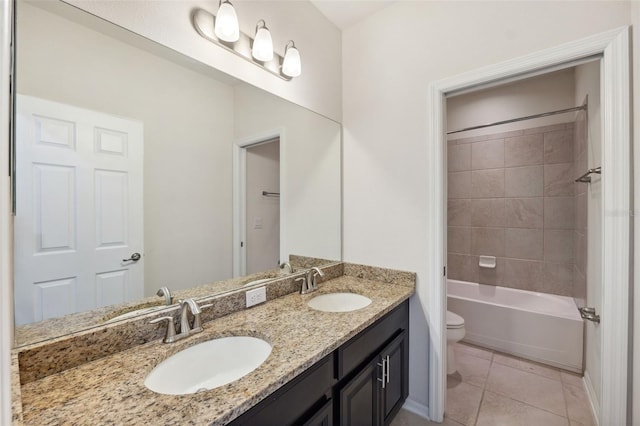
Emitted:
<point x="127" y="147"/>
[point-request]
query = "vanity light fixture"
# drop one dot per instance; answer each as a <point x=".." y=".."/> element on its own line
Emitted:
<point x="226" y="23"/>
<point x="291" y="65"/>
<point x="223" y="31"/>
<point x="262" y="48"/>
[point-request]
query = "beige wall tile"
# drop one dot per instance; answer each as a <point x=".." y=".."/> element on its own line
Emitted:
<point x="549" y="128"/>
<point x="580" y="251"/>
<point x="493" y="276"/>
<point x="487" y="241"/>
<point x="487" y="154"/>
<point x="524" y="181"/>
<point x="558" y="179"/>
<point x="524" y="212"/>
<point x="580" y="212"/>
<point x="459" y="185"/>
<point x="462" y="267"/>
<point x="558" y="245"/>
<point x="558" y="146"/>
<point x="459" y="212"/>
<point x="524" y="243"/>
<point x="487" y="212"/>
<point x="487" y="183"/>
<point x="558" y="278"/>
<point x="459" y="239"/>
<point x="579" y="291"/>
<point x="523" y="150"/>
<point x="523" y="274"/>
<point x="458" y="157"/>
<point x="558" y="213"/>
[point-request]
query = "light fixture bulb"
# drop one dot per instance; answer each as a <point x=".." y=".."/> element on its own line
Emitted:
<point x="226" y="27"/>
<point x="262" y="48"/>
<point x="291" y="65"/>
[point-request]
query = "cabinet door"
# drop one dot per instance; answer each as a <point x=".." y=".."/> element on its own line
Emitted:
<point x="395" y="357"/>
<point x="359" y="399"/>
<point x="324" y="416"/>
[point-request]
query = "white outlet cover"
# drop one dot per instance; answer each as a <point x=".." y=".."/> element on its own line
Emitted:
<point x="256" y="296"/>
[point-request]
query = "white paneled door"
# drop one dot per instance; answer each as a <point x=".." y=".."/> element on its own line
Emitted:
<point x="78" y="210"/>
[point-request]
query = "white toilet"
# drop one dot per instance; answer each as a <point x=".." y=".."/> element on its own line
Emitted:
<point x="455" y="333"/>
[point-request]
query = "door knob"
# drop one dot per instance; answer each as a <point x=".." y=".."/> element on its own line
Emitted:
<point x="134" y="257"/>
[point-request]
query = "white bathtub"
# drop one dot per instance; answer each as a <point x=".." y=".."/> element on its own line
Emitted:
<point x="537" y="326"/>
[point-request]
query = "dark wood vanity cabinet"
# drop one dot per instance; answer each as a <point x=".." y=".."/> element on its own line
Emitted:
<point x="362" y="383"/>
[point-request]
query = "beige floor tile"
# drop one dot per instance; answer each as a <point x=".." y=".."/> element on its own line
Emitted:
<point x="472" y="369"/>
<point x="462" y="403"/>
<point x="497" y="410"/>
<point x="407" y="418"/>
<point x="530" y="388"/>
<point x="571" y="379"/>
<point x="578" y="407"/>
<point x="473" y="350"/>
<point x="529" y="366"/>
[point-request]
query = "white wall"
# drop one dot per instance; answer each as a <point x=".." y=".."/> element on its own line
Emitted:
<point x="535" y="95"/>
<point x="587" y="82"/>
<point x="263" y="213"/>
<point x="310" y="187"/>
<point x="188" y="129"/>
<point x="388" y="62"/>
<point x="169" y="23"/>
<point x="635" y="21"/>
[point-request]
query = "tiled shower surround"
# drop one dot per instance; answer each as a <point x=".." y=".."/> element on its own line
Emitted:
<point x="511" y="195"/>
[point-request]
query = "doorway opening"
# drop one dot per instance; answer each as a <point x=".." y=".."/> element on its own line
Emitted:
<point x="523" y="236"/>
<point x="257" y="205"/>
<point x="613" y="47"/>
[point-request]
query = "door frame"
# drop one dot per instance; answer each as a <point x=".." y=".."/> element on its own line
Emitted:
<point x="613" y="48"/>
<point x="240" y="192"/>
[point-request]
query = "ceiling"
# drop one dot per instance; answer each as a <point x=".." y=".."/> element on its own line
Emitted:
<point x="344" y="13"/>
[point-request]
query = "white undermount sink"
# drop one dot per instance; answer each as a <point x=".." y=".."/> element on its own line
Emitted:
<point x="339" y="302"/>
<point x="208" y="365"/>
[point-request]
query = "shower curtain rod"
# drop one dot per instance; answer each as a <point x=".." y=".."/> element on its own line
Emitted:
<point x="528" y="117"/>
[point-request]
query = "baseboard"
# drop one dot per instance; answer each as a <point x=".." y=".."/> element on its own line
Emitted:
<point x="416" y="408"/>
<point x="593" y="400"/>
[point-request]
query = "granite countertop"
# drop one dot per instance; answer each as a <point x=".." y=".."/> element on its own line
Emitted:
<point x="110" y="390"/>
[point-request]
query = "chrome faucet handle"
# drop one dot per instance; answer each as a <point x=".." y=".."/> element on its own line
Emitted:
<point x="170" y="334"/>
<point x="304" y="289"/>
<point x="166" y="293"/>
<point x="197" y="325"/>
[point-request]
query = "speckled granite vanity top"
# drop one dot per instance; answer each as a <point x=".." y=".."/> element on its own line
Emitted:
<point x="110" y="390"/>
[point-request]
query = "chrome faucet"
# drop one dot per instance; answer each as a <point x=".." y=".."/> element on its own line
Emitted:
<point x="312" y="278"/>
<point x="185" y="328"/>
<point x="164" y="292"/>
<point x="288" y="265"/>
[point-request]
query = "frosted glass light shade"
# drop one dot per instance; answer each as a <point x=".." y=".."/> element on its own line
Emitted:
<point x="226" y="27"/>
<point x="291" y="65"/>
<point x="262" y="48"/>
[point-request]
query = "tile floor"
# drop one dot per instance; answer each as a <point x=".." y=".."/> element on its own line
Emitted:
<point x="494" y="389"/>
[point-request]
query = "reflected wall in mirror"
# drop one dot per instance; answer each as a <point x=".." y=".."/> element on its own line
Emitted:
<point x="127" y="147"/>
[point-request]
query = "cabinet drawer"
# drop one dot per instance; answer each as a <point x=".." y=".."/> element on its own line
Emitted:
<point x="372" y="339"/>
<point x="291" y="403"/>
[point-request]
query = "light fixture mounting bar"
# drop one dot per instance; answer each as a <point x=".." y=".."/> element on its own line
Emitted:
<point x="203" y="22"/>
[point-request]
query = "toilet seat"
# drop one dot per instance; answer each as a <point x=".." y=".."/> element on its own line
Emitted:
<point x="454" y="320"/>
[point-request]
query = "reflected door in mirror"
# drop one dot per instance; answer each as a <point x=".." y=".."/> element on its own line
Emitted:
<point x="79" y="210"/>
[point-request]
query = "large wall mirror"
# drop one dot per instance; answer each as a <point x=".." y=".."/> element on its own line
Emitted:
<point x="138" y="168"/>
